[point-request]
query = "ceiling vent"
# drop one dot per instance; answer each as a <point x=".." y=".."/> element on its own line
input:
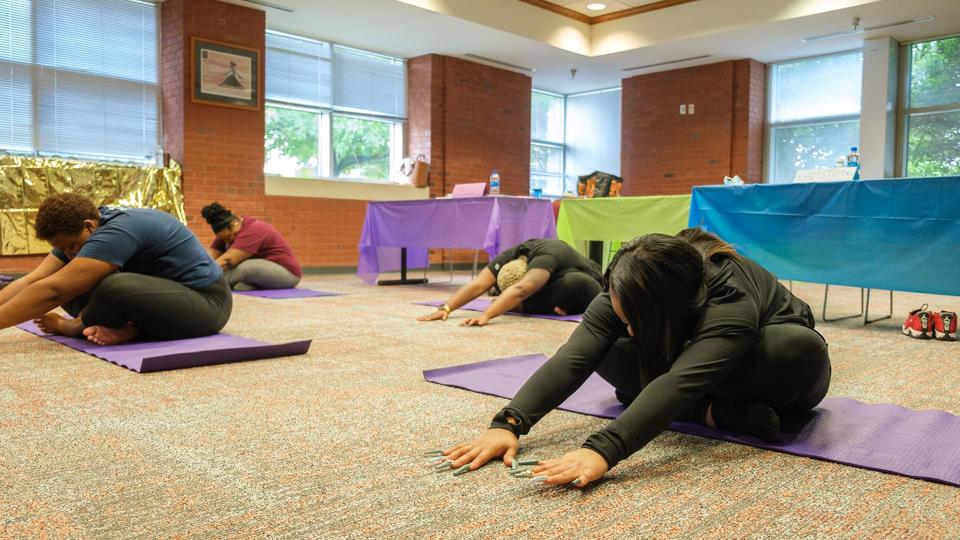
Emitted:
<point x="507" y="65"/>
<point x="857" y="29"/>
<point x="658" y="64"/>
<point x="269" y="5"/>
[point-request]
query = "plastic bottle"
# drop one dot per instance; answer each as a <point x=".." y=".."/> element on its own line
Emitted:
<point x="494" y="183"/>
<point x="853" y="158"/>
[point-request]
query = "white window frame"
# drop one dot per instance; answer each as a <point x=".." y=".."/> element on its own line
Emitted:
<point x="905" y="112"/>
<point x="562" y="146"/>
<point x="325" y="132"/>
<point x="769" y="127"/>
<point x="153" y="158"/>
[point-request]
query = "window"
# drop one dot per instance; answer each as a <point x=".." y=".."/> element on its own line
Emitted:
<point x="80" y="79"/>
<point x="932" y="108"/>
<point x="332" y="111"/>
<point x="814" y="113"/>
<point x="593" y="134"/>
<point x="547" y="143"/>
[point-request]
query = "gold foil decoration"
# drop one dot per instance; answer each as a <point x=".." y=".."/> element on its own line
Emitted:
<point x="26" y="181"/>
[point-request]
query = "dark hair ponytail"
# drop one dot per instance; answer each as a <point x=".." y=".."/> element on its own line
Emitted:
<point x="706" y="243"/>
<point x="217" y="216"/>
<point x="659" y="282"/>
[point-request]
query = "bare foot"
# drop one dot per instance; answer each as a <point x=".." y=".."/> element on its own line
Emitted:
<point x="559" y="310"/>
<point x="104" y="335"/>
<point x="53" y="323"/>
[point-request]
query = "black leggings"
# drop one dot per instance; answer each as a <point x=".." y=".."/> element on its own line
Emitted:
<point x="786" y="368"/>
<point x="571" y="292"/>
<point x="160" y="308"/>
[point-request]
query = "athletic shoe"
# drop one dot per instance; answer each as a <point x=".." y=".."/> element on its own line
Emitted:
<point x="945" y="325"/>
<point x="919" y="324"/>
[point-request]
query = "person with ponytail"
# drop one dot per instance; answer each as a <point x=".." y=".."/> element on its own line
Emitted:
<point x="686" y="329"/>
<point x="252" y="253"/>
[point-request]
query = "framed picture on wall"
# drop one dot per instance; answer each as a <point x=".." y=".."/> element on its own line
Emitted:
<point x="225" y="75"/>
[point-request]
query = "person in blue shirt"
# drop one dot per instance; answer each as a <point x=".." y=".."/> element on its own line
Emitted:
<point x="121" y="273"/>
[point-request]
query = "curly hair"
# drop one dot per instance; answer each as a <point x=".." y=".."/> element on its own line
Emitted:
<point x="217" y="216"/>
<point x="64" y="213"/>
<point x="511" y="273"/>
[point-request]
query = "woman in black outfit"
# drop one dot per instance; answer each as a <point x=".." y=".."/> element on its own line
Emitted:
<point x="686" y="329"/>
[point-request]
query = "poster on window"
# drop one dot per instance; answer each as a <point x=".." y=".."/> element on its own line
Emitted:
<point x="225" y="75"/>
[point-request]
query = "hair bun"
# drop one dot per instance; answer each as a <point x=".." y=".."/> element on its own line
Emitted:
<point x="215" y="213"/>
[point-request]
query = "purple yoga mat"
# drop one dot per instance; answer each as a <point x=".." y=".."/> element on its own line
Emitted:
<point x="281" y="294"/>
<point x="481" y="305"/>
<point x="149" y="356"/>
<point x="881" y="437"/>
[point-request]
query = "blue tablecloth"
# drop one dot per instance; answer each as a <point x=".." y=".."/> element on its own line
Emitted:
<point x="897" y="234"/>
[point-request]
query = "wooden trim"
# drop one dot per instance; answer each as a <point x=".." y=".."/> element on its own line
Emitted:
<point x="567" y="12"/>
<point x="258" y="74"/>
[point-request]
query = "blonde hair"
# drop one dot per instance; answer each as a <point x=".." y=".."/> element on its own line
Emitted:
<point x="511" y="273"/>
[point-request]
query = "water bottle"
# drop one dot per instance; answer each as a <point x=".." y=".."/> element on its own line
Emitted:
<point x="853" y="158"/>
<point x="494" y="183"/>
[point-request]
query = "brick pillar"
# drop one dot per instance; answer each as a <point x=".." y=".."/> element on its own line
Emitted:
<point x="749" y="108"/>
<point x="469" y="119"/>
<point x="665" y="152"/>
<point x="425" y="115"/>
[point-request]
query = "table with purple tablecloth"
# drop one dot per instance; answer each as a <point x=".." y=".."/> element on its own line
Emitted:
<point x="492" y="224"/>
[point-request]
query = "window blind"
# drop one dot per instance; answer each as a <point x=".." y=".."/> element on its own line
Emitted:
<point x="311" y="73"/>
<point x="368" y="83"/>
<point x="80" y="78"/>
<point x="298" y="71"/>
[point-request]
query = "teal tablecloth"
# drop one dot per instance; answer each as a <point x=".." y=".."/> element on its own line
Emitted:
<point x="896" y="234"/>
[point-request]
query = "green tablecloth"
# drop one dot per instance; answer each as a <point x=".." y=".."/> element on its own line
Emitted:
<point x="619" y="219"/>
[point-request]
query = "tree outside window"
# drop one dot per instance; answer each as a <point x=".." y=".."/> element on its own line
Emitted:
<point x="933" y="109"/>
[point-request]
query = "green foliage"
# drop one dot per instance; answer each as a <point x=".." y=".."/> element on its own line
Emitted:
<point x="293" y="134"/>
<point x="811" y="147"/>
<point x="361" y="148"/>
<point x="933" y="147"/>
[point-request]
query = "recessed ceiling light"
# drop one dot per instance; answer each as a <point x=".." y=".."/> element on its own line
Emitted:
<point x="597" y="6"/>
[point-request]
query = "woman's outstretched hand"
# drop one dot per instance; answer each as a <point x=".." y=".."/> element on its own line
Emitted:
<point x="581" y="466"/>
<point x="438" y="315"/>
<point x="481" y="320"/>
<point x="494" y="442"/>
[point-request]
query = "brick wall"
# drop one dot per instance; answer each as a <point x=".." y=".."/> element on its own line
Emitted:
<point x="222" y="149"/>
<point x="664" y="152"/>
<point x="469" y="119"/>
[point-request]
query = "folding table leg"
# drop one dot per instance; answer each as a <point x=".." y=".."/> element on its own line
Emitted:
<point x="866" y="311"/>
<point x="826" y="293"/>
<point x="403" y="274"/>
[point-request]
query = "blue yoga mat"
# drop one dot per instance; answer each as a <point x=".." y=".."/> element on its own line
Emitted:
<point x="881" y="437"/>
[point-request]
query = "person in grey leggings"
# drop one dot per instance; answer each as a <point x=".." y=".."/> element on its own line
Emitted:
<point x="252" y="252"/>
<point x="121" y="273"/>
<point x="253" y="274"/>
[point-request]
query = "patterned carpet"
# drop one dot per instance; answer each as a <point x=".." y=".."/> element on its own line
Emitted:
<point x="328" y="445"/>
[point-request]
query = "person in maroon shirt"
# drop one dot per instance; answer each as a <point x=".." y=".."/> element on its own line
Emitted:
<point x="252" y="253"/>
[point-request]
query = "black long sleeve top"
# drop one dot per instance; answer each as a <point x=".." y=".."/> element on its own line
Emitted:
<point x="742" y="297"/>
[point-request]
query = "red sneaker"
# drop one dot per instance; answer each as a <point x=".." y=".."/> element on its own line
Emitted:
<point x="919" y="324"/>
<point x="945" y="326"/>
